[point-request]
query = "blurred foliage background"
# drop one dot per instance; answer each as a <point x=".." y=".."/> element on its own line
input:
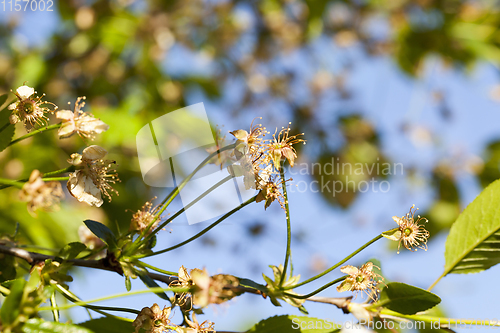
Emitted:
<point x="137" y="60"/>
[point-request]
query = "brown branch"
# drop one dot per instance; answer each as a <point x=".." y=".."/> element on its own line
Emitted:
<point x="108" y="264"/>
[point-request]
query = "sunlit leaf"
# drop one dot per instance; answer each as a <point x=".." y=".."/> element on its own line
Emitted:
<point x="11" y="306"/>
<point x="294" y="324"/>
<point x="473" y="244"/>
<point x="406" y="299"/>
<point x="36" y="325"/>
<point x="108" y="325"/>
<point x="71" y="250"/>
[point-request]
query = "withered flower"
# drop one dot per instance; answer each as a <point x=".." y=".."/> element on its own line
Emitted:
<point x="360" y="279"/>
<point x="251" y="142"/>
<point x="87" y="183"/>
<point x="40" y="194"/>
<point x="270" y="192"/>
<point x="143" y="218"/>
<point x="153" y="320"/>
<point x="281" y="147"/>
<point x="205" y="289"/>
<point x="215" y="289"/>
<point x="195" y="327"/>
<point x="411" y="233"/>
<point x="79" y="122"/>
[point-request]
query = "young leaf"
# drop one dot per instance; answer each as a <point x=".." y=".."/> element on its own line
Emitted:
<point x="393" y="234"/>
<point x="71" y="250"/>
<point x="103" y="232"/>
<point x="37" y="325"/>
<point x="12" y="303"/>
<point x="406" y="299"/>
<point x="108" y="325"/>
<point x="294" y="324"/>
<point x="473" y="244"/>
<point x="128" y="283"/>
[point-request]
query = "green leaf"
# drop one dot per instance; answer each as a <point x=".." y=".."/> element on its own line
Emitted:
<point x="7" y="267"/>
<point x="103" y="232"/>
<point x="36" y="325"/>
<point x="473" y="244"/>
<point x="6" y="128"/>
<point x="150" y="283"/>
<point x="108" y="325"/>
<point x="3" y="99"/>
<point x="71" y="250"/>
<point x="406" y="299"/>
<point x="294" y="324"/>
<point x="12" y="304"/>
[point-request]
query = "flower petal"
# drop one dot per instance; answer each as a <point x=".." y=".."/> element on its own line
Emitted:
<point x="94" y="152"/>
<point x="83" y="189"/>
<point x="25" y="92"/>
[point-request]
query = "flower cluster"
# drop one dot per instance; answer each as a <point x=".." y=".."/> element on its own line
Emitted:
<point x="93" y="176"/>
<point x="259" y="160"/>
<point x="29" y="109"/>
<point x="360" y="279"/>
<point x="79" y="122"/>
<point x="40" y="194"/>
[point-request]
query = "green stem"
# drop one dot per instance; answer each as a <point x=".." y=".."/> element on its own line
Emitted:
<point x="337" y="264"/>
<point x="135" y="246"/>
<point x="288" y="226"/>
<point x="436" y="282"/>
<point x="55" y="179"/>
<point x="328" y="285"/>
<point x="51" y="173"/>
<point x="71" y="168"/>
<point x="201" y="233"/>
<point x="444" y="322"/>
<point x="53" y="303"/>
<point x="73" y="298"/>
<point x="204" y="194"/>
<point x="173" y="194"/>
<point x="8" y="183"/>
<point x="30" y="134"/>
<point x="130" y="293"/>
<point x="142" y="263"/>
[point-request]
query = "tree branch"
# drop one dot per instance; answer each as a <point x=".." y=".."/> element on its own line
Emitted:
<point x="106" y="264"/>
